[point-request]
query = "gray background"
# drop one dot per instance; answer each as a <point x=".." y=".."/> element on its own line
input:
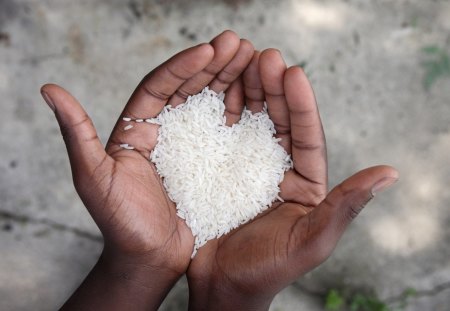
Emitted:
<point x="365" y="62"/>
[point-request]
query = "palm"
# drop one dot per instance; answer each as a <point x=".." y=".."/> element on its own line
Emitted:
<point x="134" y="194"/>
<point x="261" y="254"/>
<point x="125" y="196"/>
<point x="253" y="256"/>
<point x="255" y="261"/>
<point x="120" y="187"/>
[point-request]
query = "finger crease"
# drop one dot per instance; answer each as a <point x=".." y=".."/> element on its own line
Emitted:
<point x="161" y="96"/>
<point x="275" y="95"/>
<point x="182" y="93"/>
<point x="216" y="69"/>
<point x="282" y="129"/>
<point x="309" y="179"/>
<point x="305" y="146"/>
<point x="222" y="80"/>
<point x="176" y="75"/>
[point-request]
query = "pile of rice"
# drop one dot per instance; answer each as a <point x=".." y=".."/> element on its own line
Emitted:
<point x="220" y="177"/>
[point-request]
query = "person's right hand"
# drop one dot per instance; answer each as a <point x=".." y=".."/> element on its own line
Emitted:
<point x="246" y="268"/>
<point x="147" y="247"/>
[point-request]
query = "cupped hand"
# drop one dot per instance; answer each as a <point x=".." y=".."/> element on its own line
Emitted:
<point x="246" y="268"/>
<point x="120" y="187"/>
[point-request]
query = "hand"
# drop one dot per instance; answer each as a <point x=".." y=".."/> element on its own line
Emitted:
<point x="246" y="268"/>
<point x="146" y="246"/>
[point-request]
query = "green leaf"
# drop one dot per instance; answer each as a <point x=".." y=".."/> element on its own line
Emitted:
<point x="410" y="292"/>
<point x="334" y="300"/>
<point x="436" y="66"/>
<point x="429" y="79"/>
<point x="357" y="301"/>
<point x="445" y="63"/>
<point x="431" y="49"/>
<point x="363" y="303"/>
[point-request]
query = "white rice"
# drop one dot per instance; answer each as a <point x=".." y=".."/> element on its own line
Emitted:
<point x="220" y="177"/>
<point x="126" y="146"/>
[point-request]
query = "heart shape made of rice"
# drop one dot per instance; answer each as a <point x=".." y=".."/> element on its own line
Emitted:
<point x="219" y="177"/>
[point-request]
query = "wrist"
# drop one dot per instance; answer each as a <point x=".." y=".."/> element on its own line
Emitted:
<point x="208" y="296"/>
<point x="120" y="283"/>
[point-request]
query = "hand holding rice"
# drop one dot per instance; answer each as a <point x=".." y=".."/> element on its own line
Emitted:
<point x="220" y="177"/>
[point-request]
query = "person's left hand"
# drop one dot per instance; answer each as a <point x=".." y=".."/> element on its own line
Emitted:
<point x="246" y="268"/>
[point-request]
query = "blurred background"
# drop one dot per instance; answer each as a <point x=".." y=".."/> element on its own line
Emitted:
<point x="381" y="74"/>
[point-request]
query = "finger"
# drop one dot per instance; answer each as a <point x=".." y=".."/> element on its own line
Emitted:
<point x="84" y="148"/>
<point x="308" y="140"/>
<point x="137" y="136"/>
<point x="234" y="102"/>
<point x="235" y="67"/>
<point x="153" y="92"/>
<point x="253" y="90"/>
<point x="325" y="224"/>
<point x="272" y="68"/>
<point x="293" y="188"/>
<point x="225" y="47"/>
<point x="156" y="88"/>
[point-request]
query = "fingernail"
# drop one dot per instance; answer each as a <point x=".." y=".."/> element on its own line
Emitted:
<point x="48" y="100"/>
<point x="383" y="184"/>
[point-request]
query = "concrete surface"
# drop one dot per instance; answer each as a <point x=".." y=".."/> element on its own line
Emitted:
<point x="364" y="59"/>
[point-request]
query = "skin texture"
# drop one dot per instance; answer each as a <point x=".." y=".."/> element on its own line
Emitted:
<point x="147" y="247"/>
<point x="245" y="269"/>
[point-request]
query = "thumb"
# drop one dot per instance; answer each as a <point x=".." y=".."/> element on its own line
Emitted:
<point x="83" y="145"/>
<point x="347" y="199"/>
<point x="328" y="221"/>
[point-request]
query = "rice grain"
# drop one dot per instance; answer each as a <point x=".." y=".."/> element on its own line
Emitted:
<point x="220" y="177"/>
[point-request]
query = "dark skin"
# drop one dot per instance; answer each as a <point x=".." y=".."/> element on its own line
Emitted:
<point x="245" y="269"/>
<point x="147" y="247"/>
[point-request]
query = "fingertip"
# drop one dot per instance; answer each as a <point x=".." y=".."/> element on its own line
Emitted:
<point x="247" y="46"/>
<point x="227" y="40"/>
<point x="272" y="59"/>
<point x="234" y="102"/>
<point x="389" y="171"/>
<point x="272" y="68"/>
<point x="388" y="177"/>
<point x="360" y="188"/>
<point x="251" y="74"/>
<point x="228" y="34"/>
<point x="51" y="94"/>
<point x="367" y="178"/>
<point x="294" y="75"/>
<point x="295" y="70"/>
<point x="45" y="87"/>
<point x="247" y="51"/>
<point x="207" y="50"/>
<point x="225" y="47"/>
<point x="49" y="88"/>
<point x="298" y="89"/>
<point x="271" y="52"/>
